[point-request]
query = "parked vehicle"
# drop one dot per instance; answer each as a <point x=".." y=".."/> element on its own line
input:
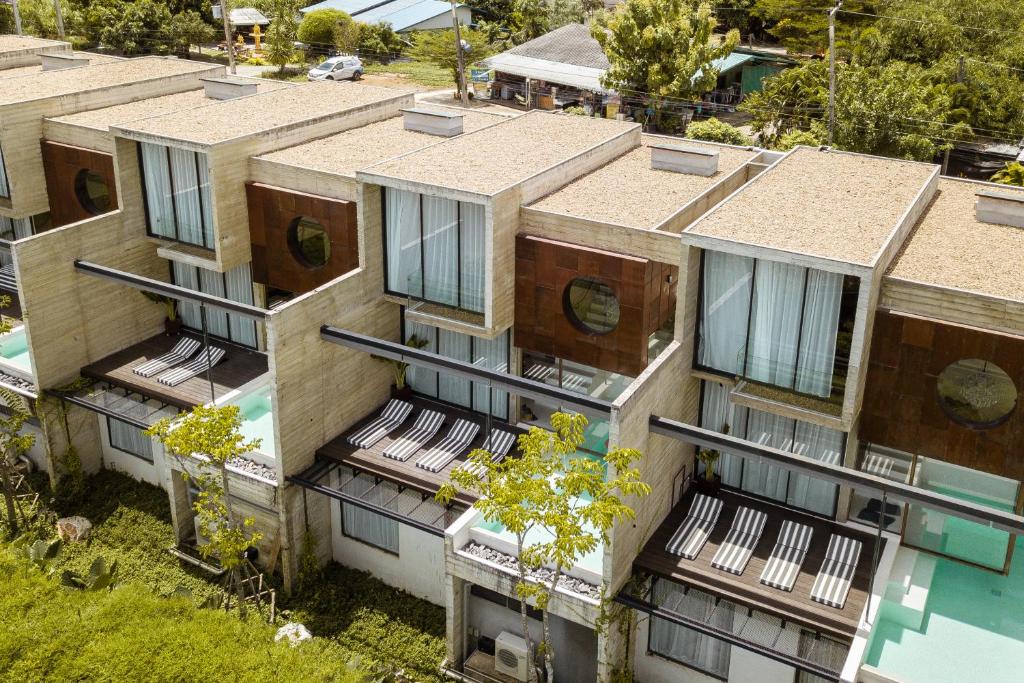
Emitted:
<point x="342" y="67"/>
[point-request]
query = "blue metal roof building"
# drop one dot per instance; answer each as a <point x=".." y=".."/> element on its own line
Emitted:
<point x="403" y="15"/>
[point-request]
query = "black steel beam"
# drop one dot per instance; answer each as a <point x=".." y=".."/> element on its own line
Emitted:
<point x="70" y="398"/>
<point x="726" y="636"/>
<point x="499" y="380"/>
<point x="844" y="476"/>
<point x="146" y="284"/>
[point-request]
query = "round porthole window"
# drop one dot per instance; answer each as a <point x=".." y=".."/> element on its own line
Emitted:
<point x="309" y="242"/>
<point x="92" y="192"/>
<point x="976" y="393"/>
<point x="591" y="305"/>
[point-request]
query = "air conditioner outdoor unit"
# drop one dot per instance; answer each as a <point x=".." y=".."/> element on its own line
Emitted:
<point x="511" y="656"/>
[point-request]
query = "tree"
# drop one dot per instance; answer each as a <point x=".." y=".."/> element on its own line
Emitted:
<point x="13" y="444"/>
<point x="379" y="42"/>
<point x="282" y="33"/>
<point x="1013" y="174"/>
<point x="714" y="130"/>
<point x="128" y="27"/>
<point x="804" y="28"/>
<point x="438" y="47"/>
<point x="204" y="441"/>
<point x="323" y="29"/>
<point x="569" y="499"/>
<point x="188" y="29"/>
<point x="661" y="50"/>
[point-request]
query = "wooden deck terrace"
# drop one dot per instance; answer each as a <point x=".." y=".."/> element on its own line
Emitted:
<point x="372" y="461"/>
<point x="747" y="588"/>
<point x="239" y="367"/>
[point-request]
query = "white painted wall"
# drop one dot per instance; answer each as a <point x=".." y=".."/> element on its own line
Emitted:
<point x="443" y="21"/>
<point x="417" y="569"/>
<point x="135" y="467"/>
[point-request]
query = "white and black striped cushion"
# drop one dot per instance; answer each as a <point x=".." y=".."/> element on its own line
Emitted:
<point x="390" y="419"/>
<point x="735" y="551"/>
<point x="783" y="565"/>
<point x="878" y="465"/>
<point x="498" y="444"/>
<point x="181" y="352"/>
<point x="693" y="533"/>
<point x="422" y="431"/>
<point x="202" y="362"/>
<point x="832" y="584"/>
<point x="460" y="436"/>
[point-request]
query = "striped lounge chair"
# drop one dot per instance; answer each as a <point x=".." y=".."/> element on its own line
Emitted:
<point x="181" y="352"/>
<point x="878" y="465"/>
<point x="390" y="419"/>
<point x="201" y="363"/>
<point x="692" y="534"/>
<point x="783" y="566"/>
<point x="735" y="551"/>
<point x="498" y="444"/>
<point x="422" y="431"/>
<point x="458" y="439"/>
<point x="833" y="582"/>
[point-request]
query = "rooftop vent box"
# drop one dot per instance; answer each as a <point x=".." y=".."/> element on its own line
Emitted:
<point x="684" y="159"/>
<point x="1001" y="208"/>
<point x="444" y="123"/>
<point x="59" y="62"/>
<point x="228" y="88"/>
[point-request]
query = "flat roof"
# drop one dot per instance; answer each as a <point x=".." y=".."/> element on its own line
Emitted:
<point x="823" y="203"/>
<point x="10" y="42"/>
<point x="950" y="247"/>
<point x="122" y="114"/>
<point x="245" y="116"/>
<point x="38" y="68"/>
<point x="643" y="197"/>
<point x="494" y="158"/>
<point x="346" y="152"/>
<point x="47" y="84"/>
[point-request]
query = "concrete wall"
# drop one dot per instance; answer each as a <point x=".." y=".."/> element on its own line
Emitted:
<point x="30" y="55"/>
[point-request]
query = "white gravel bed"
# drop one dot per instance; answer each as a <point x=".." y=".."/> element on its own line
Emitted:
<point x="543" y="575"/>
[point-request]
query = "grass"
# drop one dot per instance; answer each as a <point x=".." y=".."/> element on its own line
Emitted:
<point x="352" y="613"/>
<point x="424" y="73"/>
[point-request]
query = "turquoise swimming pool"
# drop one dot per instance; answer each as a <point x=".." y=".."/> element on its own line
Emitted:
<point x="14" y="349"/>
<point x="973" y="628"/>
<point x="258" y="419"/>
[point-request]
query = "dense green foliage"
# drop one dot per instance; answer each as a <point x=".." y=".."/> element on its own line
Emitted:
<point x="326" y="28"/>
<point x="379" y="42"/>
<point x="188" y="29"/>
<point x="279" y="44"/>
<point x="1012" y="174"/>
<point x="713" y="130"/>
<point x="438" y="48"/>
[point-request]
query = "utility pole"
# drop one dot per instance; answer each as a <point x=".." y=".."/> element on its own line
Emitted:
<point x="17" y="17"/>
<point x="224" y="15"/>
<point x="59" y="15"/>
<point x="461" y="57"/>
<point x="959" y="79"/>
<point x="832" y="69"/>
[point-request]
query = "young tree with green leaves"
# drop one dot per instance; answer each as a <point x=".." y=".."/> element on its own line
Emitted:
<point x="438" y="47"/>
<point x="188" y="29"/>
<point x="279" y="45"/>
<point x="379" y="42"/>
<point x="13" y="444"/>
<point x="204" y="441"/>
<point x="568" y="498"/>
<point x="661" y="50"/>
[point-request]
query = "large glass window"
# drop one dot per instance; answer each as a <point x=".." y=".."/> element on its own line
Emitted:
<point x="369" y="527"/>
<point x="492" y="354"/>
<point x="763" y="479"/>
<point x="236" y="285"/>
<point x="5" y="188"/>
<point x="692" y="648"/>
<point x="129" y="439"/>
<point x="887" y="463"/>
<point x="176" y="185"/>
<point x="435" y="249"/>
<point x="776" y="323"/>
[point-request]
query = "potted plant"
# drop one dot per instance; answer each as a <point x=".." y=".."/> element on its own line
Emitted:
<point x="710" y="483"/>
<point x="172" y="324"/>
<point x="400" y="368"/>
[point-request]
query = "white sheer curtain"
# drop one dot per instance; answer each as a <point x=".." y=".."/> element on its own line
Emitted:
<point x="774" y="431"/>
<point x="206" y="200"/>
<point x="686" y="645"/>
<point x="818" y="333"/>
<point x="130" y="439"/>
<point x="187" y="208"/>
<point x="726" y="306"/>
<point x="420" y="379"/>
<point x="472" y="237"/>
<point x="186" y="276"/>
<point x="491" y="354"/>
<point x="13" y="229"/>
<point x="820" y="443"/>
<point x="716" y="412"/>
<point x="365" y="525"/>
<point x="212" y="282"/>
<point x="441" y="250"/>
<point x="156" y="180"/>
<point x="403" y="241"/>
<point x="450" y="387"/>
<point x="239" y="288"/>
<point x="775" y="322"/>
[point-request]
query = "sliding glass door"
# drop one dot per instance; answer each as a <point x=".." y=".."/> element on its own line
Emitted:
<point x="176" y="189"/>
<point x="236" y="285"/>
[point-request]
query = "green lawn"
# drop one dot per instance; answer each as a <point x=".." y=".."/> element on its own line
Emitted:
<point x="423" y="73"/>
<point x="353" y="614"/>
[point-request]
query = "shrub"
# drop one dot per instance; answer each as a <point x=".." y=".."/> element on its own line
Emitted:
<point x="788" y="141"/>
<point x="379" y="42"/>
<point x="713" y="130"/>
<point x="323" y="29"/>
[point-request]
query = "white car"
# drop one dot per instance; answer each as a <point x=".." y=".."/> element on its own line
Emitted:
<point x="342" y="67"/>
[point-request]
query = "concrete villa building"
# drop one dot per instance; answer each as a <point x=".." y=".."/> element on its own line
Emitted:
<point x="848" y="331"/>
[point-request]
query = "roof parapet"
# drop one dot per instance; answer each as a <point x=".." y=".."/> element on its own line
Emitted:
<point x="431" y="122"/>
<point x="1001" y="208"/>
<point x="684" y="159"/>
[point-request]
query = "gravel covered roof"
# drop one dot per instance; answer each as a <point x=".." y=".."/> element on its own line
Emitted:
<point x="245" y="116"/>
<point x="494" y="158"/>
<point x="46" y="84"/>
<point x="950" y="247"/>
<point x="822" y="203"/>
<point x="643" y="197"/>
<point x="122" y="114"/>
<point x="10" y="42"/>
<point x="345" y="153"/>
<point x="38" y="68"/>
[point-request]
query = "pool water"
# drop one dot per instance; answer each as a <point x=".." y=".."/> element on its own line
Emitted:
<point x="973" y="628"/>
<point x="14" y="349"/>
<point x="258" y="419"/>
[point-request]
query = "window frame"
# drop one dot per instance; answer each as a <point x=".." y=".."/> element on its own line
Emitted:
<point x="110" y="442"/>
<point x="207" y="231"/>
<point x="688" y="665"/>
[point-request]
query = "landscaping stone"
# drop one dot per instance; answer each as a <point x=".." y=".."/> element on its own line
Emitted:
<point x="543" y="574"/>
<point x="294" y="632"/>
<point x="253" y="468"/>
<point x="71" y="529"/>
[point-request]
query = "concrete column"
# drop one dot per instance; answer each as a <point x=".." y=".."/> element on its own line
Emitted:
<point x="455" y="624"/>
<point x="182" y="514"/>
